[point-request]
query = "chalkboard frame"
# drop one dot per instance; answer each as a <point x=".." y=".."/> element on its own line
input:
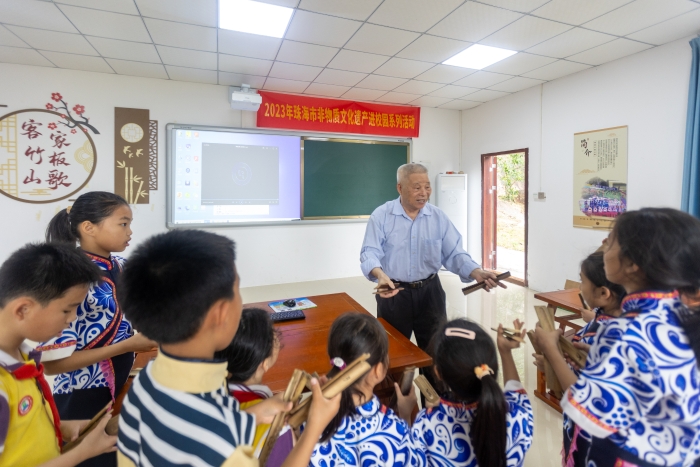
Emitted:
<point x="343" y="140"/>
<point x="170" y="171"/>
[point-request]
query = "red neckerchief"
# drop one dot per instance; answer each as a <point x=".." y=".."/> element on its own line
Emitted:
<point x="31" y="370"/>
<point x="246" y="396"/>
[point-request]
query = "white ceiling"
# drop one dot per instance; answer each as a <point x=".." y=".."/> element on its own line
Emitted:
<point x="371" y="50"/>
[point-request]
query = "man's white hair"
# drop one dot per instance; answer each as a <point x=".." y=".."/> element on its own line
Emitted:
<point x="407" y="169"/>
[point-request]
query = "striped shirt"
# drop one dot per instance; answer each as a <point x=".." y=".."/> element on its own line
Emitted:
<point x="179" y="412"/>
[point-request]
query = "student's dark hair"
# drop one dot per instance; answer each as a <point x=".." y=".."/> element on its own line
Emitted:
<point x="171" y="281"/>
<point x="665" y="244"/>
<point x="45" y="272"/>
<point x="455" y="359"/>
<point x="593" y="268"/>
<point x="353" y="334"/>
<point x="253" y="343"/>
<point x="94" y="206"/>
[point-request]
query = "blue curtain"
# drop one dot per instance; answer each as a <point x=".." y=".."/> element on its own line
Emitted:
<point x="691" y="168"/>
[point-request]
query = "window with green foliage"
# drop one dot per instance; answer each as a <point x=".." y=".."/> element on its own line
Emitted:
<point x="511" y="170"/>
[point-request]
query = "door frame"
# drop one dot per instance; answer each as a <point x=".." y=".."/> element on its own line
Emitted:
<point x="484" y="189"/>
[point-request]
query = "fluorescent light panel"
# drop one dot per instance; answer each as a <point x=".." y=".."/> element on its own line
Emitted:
<point x="252" y="17"/>
<point x="479" y="56"/>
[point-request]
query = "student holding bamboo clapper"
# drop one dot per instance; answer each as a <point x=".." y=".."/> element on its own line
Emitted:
<point x="251" y="354"/>
<point x="40" y="288"/>
<point x="598" y="292"/>
<point x="94" y="355"/>
<point x="181" y="288"/>
<point x="638" y="394"/>
<point x="605" y="298"/>
<point x="476" y="422"/>
<point x="365" y="432"/>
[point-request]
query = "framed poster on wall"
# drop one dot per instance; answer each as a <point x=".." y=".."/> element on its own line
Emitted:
<point x="600" y="177"/>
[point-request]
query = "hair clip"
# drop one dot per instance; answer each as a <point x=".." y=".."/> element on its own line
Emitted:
<point x="459" y="332"/>
<point x="339" y="363"/>
<point x="68" y="209"/>
<point x="482" y="371"/>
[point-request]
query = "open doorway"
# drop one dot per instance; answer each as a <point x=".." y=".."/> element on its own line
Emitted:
<point x="504" y="213"/>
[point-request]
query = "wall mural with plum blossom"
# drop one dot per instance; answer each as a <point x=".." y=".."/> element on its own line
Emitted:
<point x="46" y="155"/>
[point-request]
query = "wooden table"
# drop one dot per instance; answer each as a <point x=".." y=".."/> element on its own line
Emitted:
<point x="305" y="341"/>
<point x="304" y="346"/>
<point x="568" y="300"/>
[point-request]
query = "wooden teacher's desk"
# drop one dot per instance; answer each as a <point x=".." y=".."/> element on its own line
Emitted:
<point x="304" y="342"/>
<point x="562" y="299"/>
<point x="304" y="345"/>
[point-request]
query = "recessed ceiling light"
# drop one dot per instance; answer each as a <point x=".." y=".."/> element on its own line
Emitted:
<point x="479" y="56"/>
<point x="254" y="17"/>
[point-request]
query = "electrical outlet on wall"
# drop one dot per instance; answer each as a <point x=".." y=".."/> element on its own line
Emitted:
<point x="539" y="196"/>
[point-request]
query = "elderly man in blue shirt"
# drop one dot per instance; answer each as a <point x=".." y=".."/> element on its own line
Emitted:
<point x="406" y="242"/>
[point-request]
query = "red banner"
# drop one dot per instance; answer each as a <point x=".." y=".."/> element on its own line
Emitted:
<point x="293" y="112"/>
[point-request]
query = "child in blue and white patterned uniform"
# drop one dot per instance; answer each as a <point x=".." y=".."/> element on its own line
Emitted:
<point x="94" y="355"/>
<point x="638" y="394"/>
<point x="605" y="297"/>
<point x="476" y="422"/>
<point x="365" y="432"/>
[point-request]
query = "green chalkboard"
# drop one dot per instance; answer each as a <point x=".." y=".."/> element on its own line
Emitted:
<point x="348" y="179"/>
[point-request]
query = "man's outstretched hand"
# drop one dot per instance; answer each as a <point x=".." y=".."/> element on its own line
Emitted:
<point x="384" y="283"/>
<point x="481" y="275"/>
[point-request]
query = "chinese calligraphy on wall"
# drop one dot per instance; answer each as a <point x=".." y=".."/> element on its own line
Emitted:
<point x="600" y="177"/>
<point x="46" y="155"/>
<point x="294" y="112"/>
<point x="339" y="116"/>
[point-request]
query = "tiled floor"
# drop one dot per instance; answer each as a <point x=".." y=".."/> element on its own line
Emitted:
<point x="488" y="309"/>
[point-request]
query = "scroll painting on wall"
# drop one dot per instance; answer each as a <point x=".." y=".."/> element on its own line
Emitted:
<point x="600" y="177"/>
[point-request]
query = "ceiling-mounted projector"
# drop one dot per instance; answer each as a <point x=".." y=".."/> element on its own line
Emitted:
<point x="244" y="98"/>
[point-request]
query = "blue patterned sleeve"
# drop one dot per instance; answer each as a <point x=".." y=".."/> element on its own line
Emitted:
<point x="413" y="447"/>
<point x="519" y="422"/>
<point x="622" y="382"/>
<point x="419" y="427"/>
<point x="417" y="446"/>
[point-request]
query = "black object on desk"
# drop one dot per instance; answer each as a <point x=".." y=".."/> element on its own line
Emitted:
<point x="287" y="316"/>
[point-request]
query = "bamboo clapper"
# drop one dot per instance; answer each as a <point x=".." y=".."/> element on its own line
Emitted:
<point x="429" y="393"/>
<point x="292" y="394"/>
<point x="111" y="429"/>
<point x="583" y="302"/>
<point x="531" y="336"/>
<point x="385" y="289"/>
<point x="546" y="320"/>
<point x="481" y="285"/>
<point x="404" y="385"/>
<point x="578" y="356"/>
<point x="511" y="334"/>
<point x="333" y="387"/>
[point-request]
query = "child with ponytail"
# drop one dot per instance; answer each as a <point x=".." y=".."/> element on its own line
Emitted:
<point x="251" y="354"/>
<point x="365" y="432"/>
<point x="606" y="299"/>
<point x="476" y="422"/>
<point x="94" y="355"/>
<point x="599" y="293"/>
<point x="638" y="395"/>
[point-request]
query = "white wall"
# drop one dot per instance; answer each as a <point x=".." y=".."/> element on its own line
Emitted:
<point x="267" y="255"/>
<point x="647" y="92"/>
